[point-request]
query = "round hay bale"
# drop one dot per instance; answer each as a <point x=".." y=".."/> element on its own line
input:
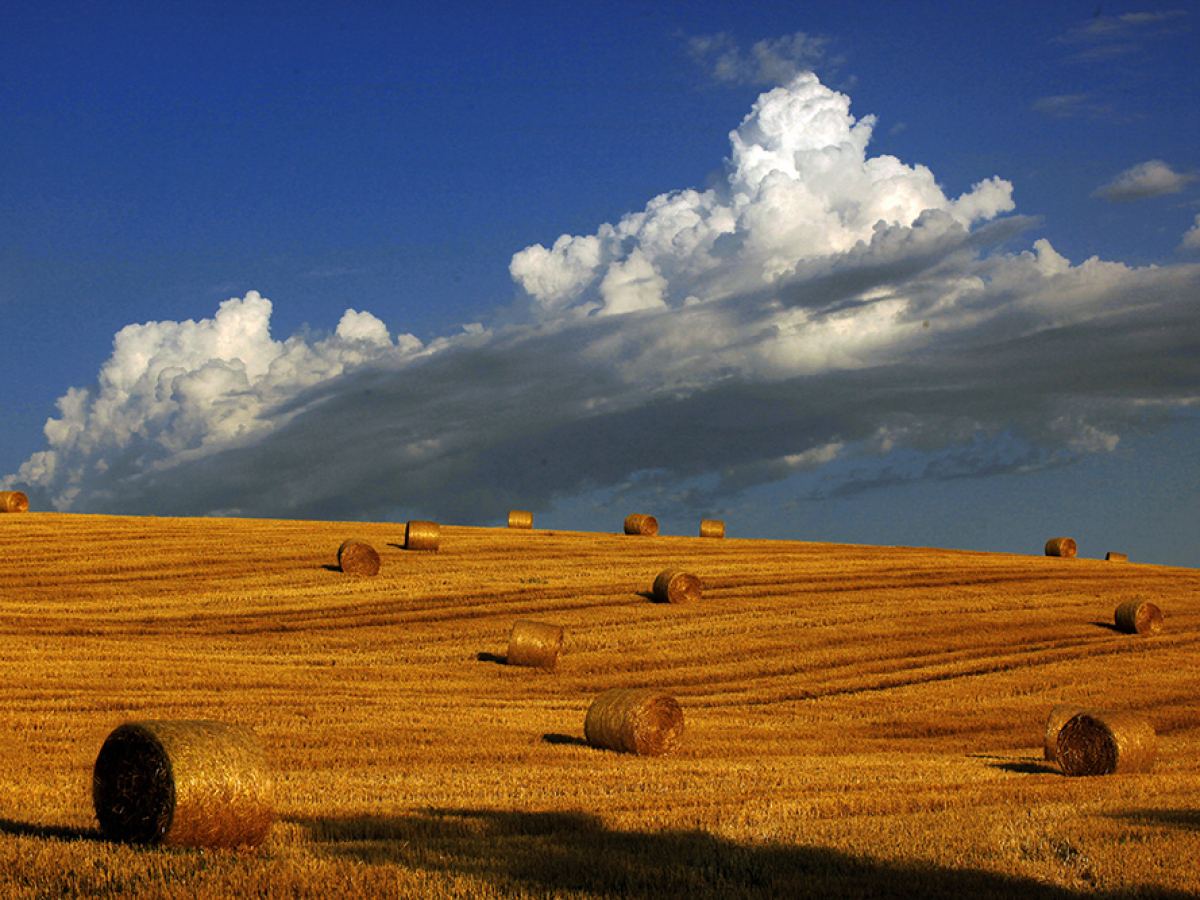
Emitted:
<point x="357" y="557"/>
<point x="13" y="501"/>
<point x="712" y="528"/>
<point x="1059" y="716"/>
<point x="1061" y="546"/>
<point x="1111" y="556"/>
<point x="1106" y="743"/>
<point x="535" y="644"/>
<point x="183" y="784"/>
<point x="1139" y="617"/>
<point x="677" y="586"/>
<point x="519" y="518"/>
<point x="644" y="721"/>
<point x="420" y="535"/>
<point x="640" y="523"/>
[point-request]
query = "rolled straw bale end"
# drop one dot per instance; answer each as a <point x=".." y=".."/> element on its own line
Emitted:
<point x="13" y="502"/>
<point x="1139" y="617"/>
<point x="519" y="518"/>
<point x="642" y="721"/>
<point x="536" y="644"/>
<point x="420" y="535"/>
<point x="1059" y="716"/>
<point x="1061" y="546"/>
<point x="640" y="523"/>
<point x="677" y="586"/>
<point x="1112" y="556"/>
<point x="357" y="557"/>
<point x="1106" y="743"/>
<point x="183" y="784"/>
<point x="712" y="528"/>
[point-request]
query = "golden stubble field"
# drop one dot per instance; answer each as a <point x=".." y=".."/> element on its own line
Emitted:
<point x="860" y="721"/>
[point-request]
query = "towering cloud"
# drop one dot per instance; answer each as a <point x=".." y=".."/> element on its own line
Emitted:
<point x="819" y="305"/>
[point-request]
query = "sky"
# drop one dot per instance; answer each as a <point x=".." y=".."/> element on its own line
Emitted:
<point x="885" y="273"/>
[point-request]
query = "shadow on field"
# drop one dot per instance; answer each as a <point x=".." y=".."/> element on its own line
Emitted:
<point x="1187" y="819"/>
<point x="561" y="853"/>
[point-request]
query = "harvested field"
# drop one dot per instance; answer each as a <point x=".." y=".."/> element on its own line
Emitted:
<point x="859" y="720"/>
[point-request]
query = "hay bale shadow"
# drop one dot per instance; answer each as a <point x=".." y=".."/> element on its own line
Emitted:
<point x="1110" y="626"/>
<point x="1026" y="768"/>
<point x="498" y="658"/>
<point x="14" y="828"/>
<point x="564" y="740"/>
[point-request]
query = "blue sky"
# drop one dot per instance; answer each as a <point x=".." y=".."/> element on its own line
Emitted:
<point x="873" y="272"/>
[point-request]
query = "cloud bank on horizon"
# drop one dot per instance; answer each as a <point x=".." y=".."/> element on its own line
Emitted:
<point x="815" y="305"/>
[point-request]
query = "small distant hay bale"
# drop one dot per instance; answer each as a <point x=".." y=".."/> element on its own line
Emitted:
<point x="13" y="502"/>
<point x="357" y="557"/>
<point x="1059" y="716"/>
<point x="1061" y="546"/>
<point x="1106" y="743"/>
<point x="421" y="535"/>
<point x="640" y="523"/>
<point x="1139" y="617"/>
<point x="643" y="721"/>
<point x="1112" y="556"/>
<point x="713" y="528"/>
<point x="536" y="644"/>
<point x="183" y="784"/>
<point x="677" y="586"/>
<point x="520" y="518"/>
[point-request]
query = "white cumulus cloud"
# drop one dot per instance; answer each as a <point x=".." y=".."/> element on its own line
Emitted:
<point x="819" y="306"/>
<point x="1148" y="179"/>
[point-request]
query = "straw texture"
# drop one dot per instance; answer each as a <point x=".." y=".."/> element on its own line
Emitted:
<point x="1111" y="556"/>
<point x="357" y="557"/>
<point x="640" y="523"/>
<point x="1139" y="617"/>
<point x="1059" y="716"/>
<point x="712" y="528"/>
<point x="1106" y="743"/>
<point x="1061" y="546"/>
<point x="520" y="518"/>
<point x="536" y="644"/>
<point x="183" y="784"/>
<point x="677" y="586"/>
<point x="421" y="535"/>
<point x="643" y="721"/>
<point x="13" y="501"/>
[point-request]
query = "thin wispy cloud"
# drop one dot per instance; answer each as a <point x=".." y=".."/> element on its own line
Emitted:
<point x="1106" y="36"/>
<point x="819" y="309"/>
<point x="772" y="61"/>
<point x="1152" y="178"/>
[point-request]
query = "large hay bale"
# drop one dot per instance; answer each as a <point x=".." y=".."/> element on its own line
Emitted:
<point x="1139" y="617"/>
<point x="183" y="784"/>
<point x="1061" y="546"/>
<point x="677" y="586"/>
<point x="712" y="528"/>
<point x="520" y="518"/>
<point x="1112" y="556"/>
<point x="13" y="501"/>
<point x="1106" y="743"/>
<point x="536" y="644"/>
<point x="357" y="557"/>
<point x="644" y="721"/>
<point x="640" y="523"/>
<point x="1059" y="716"/>
<point x="421" y="535"/>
